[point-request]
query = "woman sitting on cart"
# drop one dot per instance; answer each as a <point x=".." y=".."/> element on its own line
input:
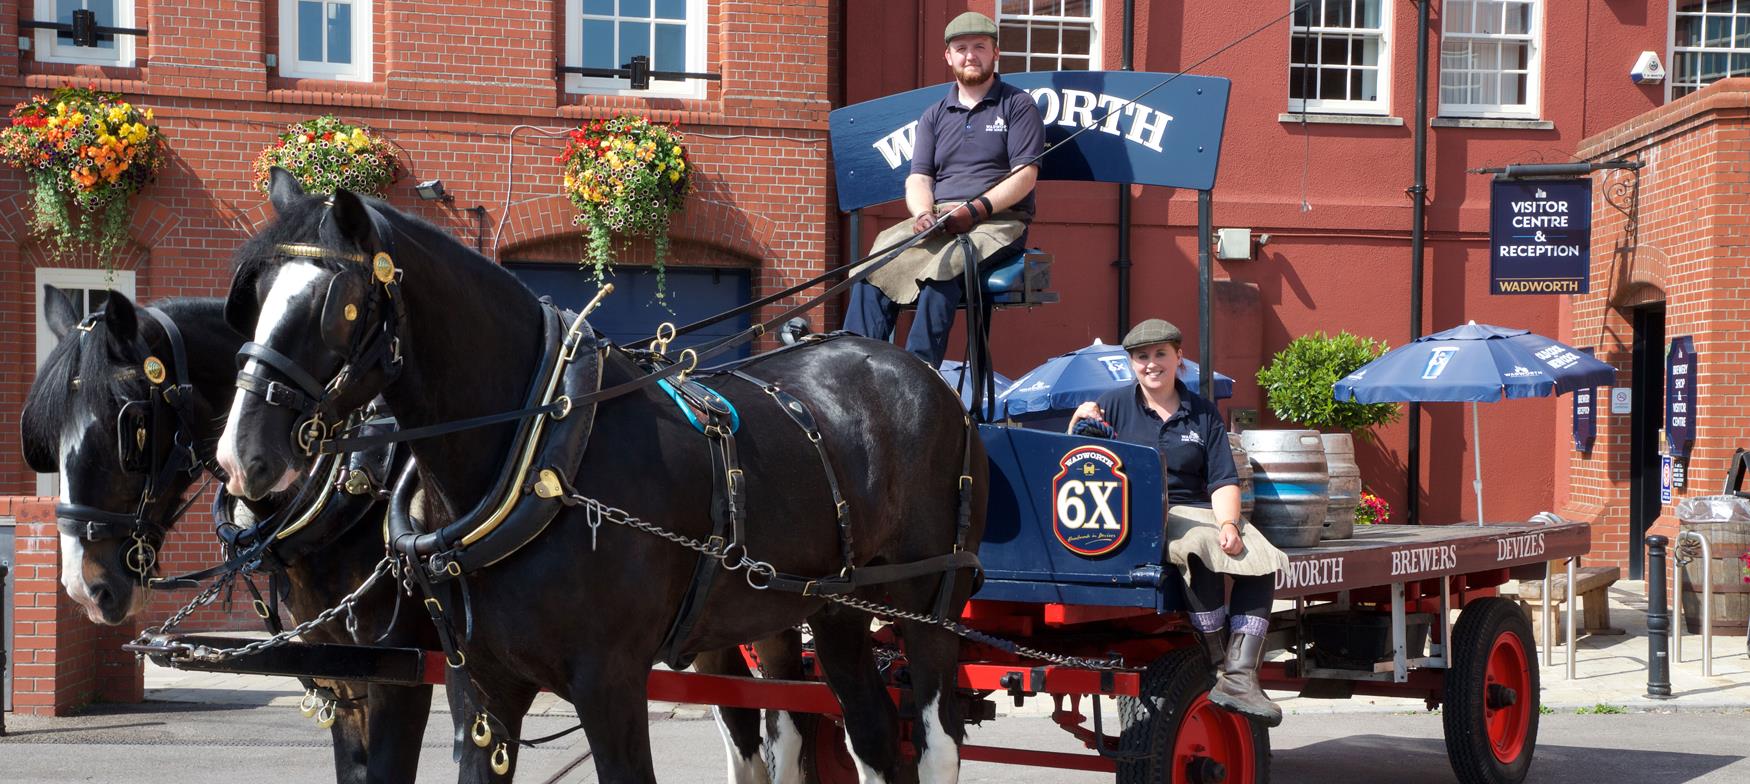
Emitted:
<point x="1207" y="537"/>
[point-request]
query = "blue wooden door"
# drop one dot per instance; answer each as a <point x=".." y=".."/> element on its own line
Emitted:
<point x="632" y="313"/>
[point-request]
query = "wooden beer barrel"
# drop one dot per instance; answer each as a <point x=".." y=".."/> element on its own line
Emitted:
<point x="1291" y="485"/>
<point x="1345" y="485"/>
<point x="1243" y="466"/>
<point x="1731" y="602"/>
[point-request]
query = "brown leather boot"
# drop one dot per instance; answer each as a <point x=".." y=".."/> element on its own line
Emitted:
<point x="1237" y="687"/>
<point x="1215" y="647"/>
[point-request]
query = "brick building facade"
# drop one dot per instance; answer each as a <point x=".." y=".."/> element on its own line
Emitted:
<point x="1318" y="155"/>
<point x="1668" y="260"/>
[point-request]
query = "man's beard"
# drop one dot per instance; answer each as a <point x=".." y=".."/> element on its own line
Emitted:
<point x="983" y="76"/>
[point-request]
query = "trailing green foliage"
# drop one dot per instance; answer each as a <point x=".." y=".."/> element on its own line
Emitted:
<point x="1300" y="377"/>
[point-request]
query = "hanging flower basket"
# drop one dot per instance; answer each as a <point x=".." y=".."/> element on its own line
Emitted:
<point x="326" y="153"/>
<point x="628" y="176"/>
<point x="85" y="149"/>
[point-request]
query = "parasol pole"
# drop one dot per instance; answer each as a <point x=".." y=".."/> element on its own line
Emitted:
<point x="1476" y="445"/>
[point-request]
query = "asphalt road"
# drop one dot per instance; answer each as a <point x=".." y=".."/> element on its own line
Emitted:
<point x="196" y="744"/>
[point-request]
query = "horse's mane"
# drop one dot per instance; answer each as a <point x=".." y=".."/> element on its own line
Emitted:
<point x="53" y="404"/>
<point x="306" y="222"/>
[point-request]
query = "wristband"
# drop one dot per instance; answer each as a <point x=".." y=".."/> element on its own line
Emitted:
<point x="1234" y="523"/>
<point x="988" y="210"/>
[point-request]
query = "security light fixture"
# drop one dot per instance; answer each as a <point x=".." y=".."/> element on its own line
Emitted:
<point x="432" y="190"/>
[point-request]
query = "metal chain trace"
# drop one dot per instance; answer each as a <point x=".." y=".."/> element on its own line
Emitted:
<point x="600" y="511"/>
<point x="221" y="654"/>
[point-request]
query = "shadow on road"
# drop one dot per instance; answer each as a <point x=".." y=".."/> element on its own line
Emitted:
<point x="1381" y="758"/>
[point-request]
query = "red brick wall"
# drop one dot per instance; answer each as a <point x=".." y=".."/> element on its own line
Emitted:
<point x="1690" y="250"/>
<point x="465" y="89"/>
<point x="62" y="661"/>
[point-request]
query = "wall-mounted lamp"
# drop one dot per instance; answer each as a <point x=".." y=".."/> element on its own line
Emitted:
<point x="432" y="190"/>
<point x="1238" y="244"/>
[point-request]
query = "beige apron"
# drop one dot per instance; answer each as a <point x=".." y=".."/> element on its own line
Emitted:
<point x="1192" y="530"/>
<point x="939" y="257"/>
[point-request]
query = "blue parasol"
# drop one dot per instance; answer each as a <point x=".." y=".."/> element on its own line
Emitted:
<point x="954" y="372"/>
<point x="1474" y="363"/>
<point x="1055" y="388"/>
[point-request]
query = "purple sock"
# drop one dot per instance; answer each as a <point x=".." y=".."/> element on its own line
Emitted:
<point x="1249" y="624"/>
<point x="1211" y="621"/>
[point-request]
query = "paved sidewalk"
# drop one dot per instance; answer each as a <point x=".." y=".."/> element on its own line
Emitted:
<point x="1611" y="671"/>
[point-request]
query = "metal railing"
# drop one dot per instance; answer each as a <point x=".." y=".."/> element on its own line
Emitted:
<point x="1678" y="558"/>
<point x="1571" y="600"/>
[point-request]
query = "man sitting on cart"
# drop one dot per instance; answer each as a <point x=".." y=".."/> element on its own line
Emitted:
<point x="1207" y="537"/>
<point x="978" y="133"/>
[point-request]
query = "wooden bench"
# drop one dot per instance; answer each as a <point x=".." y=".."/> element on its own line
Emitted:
<point x="1594" y="590"/>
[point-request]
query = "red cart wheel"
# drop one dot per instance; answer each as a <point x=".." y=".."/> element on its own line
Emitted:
<point x="1183" y="737"/>
<point x="826" y="759"/>
<point x="1491" y="694"/>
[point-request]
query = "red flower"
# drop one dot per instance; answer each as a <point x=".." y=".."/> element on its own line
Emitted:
<point x="328" y="137"/>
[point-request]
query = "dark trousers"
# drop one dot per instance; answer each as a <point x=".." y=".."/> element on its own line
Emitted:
<point x="871" y="314"/>
<point x="1251" y="594"/>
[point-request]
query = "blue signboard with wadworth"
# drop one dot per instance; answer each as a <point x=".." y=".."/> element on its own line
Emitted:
<point x="1540" y="236"/>
<point x="1170" y="137"/>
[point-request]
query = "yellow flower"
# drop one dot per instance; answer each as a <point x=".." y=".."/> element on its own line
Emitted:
<point x="680" y="165"/>
<point x="675" y="150"/>
<point x="674" y="176"/>
<point x="148" y="115"/>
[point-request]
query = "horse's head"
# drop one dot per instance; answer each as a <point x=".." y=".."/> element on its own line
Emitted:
<point x="106" y="412"/>
<point x="316" y="289"/>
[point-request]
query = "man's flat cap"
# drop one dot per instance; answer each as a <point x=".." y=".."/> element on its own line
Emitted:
<point x="1150" y="332"/>
<point x="969" y="23"/>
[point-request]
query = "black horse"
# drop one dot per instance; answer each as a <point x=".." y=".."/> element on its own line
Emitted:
<point x="84" y="418"/>
<point x="583" y="610"/>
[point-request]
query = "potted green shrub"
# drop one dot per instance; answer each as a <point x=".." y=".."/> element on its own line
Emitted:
<point x="1298" y="384"/>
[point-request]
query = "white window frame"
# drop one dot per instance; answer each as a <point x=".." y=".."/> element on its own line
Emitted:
<point x="1671" y="73"/>
<point x="49" y="48"/>
<point x="364" y="30"/>
<point x="697" y="56"/>
<point x="120" y="280"/>
<point x="1096" y="11"/>
<point x="1533" y="39"/>
<point x="1380" y="106"/>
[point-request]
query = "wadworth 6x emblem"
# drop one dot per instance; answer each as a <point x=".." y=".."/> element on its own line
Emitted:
<point x="1090" y="511"/>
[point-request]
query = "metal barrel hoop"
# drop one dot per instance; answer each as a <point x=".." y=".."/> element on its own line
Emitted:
<point x="309" y="704"/>
<point x="501" y="759"/>
<point x="325" y="714"/>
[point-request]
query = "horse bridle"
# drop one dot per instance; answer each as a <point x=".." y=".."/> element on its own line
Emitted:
<point x="155" y="437"/>
<point x="319" y="412"/>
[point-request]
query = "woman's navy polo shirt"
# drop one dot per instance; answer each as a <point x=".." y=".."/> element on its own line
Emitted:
<point x="1192" y="442"/>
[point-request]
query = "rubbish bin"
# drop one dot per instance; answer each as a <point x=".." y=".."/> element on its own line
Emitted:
<point x="1725" y="521"/>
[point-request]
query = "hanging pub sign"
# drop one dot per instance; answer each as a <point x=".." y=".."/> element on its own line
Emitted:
<point x="1680" y="375"/>
<point x="1585" y="414"/>
<point x="1540" y="236"/>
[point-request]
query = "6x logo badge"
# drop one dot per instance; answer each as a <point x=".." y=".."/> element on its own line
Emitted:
<point x="1090" y="511"/>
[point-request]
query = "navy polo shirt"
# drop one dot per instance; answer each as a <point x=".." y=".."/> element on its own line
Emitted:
<point x="968" y="150"/>
<point x="1192" y="442"/>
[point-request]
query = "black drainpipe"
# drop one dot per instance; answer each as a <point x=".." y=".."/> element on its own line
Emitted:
<point x="1123" y="262"/>
<point x="1418" y="217"/>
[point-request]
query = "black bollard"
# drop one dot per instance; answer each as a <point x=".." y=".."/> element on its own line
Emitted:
<point x="1658" y="623"/>
<point x="4" y="633"/>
